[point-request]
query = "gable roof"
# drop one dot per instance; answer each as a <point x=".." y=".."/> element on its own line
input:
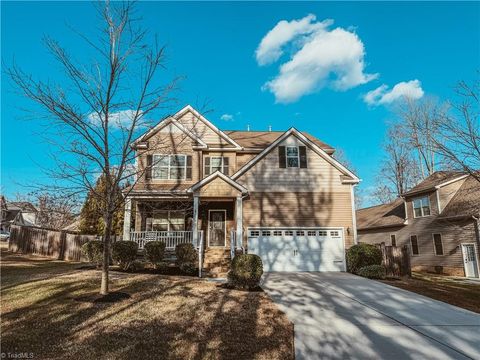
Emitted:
<point x="164" y="123"/>
<point x="305" y="140"/>
<point x="24" y="206"/>
<point x="465" y="202"/>
<point x="218" y="174"/>
<point x="219" y="132"/>
<point x="262" y="139"/>
<point x="436" y="180"/>
<point x="384" y="215"/>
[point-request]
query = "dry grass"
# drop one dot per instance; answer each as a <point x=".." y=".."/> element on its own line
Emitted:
<point x="456" y="291"/>
<point x="165" y="318"/>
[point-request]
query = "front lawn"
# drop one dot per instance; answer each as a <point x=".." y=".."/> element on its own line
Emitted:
<point x="167" y="317"/>
<point x="459" y="292"/>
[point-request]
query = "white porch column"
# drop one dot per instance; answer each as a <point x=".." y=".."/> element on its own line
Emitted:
<point x="127" y="218"/>
<point x="195" y="220"/>
<point x="239" y="218"/>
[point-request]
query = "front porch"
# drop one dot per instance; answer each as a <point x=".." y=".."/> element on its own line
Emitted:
<point x="212" y="225"/>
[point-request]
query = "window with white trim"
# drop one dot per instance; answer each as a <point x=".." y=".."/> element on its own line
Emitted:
<point x="215" y="163"/>
<point x="277" y="233"/>
<point x="334" y="233"/>
<point x="421" y="206"/>
<point x="322" y="233"/>
<point x="437" y="244"/>
<point x="169" y="167"/>
<point x="393" y="240"/>
<point x="266" y="233"/>
<point x="288" y="233"/>
<point x="300" y="233"/>
<point x="254" y="233"/>
<point x="166" y="221"/>
<point x="293" y="156"/>
<point x="311" y="233"/>
<point x="414" y="244"/>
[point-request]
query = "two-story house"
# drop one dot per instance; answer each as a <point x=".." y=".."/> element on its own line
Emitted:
<point x="438" y="219"/>
<point x="280" y="195"/>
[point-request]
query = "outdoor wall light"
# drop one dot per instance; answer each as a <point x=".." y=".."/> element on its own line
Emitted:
<point x="348" y="230"/>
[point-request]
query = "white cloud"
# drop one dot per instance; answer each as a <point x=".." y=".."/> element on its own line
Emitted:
<point x="321" y="57"/>
<point x="382" y="95"/>
<point x="227" y="117"/>
<point x="117" y="119"/>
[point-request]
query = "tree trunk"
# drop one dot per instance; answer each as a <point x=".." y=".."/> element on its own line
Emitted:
<point x="106" y="254"/>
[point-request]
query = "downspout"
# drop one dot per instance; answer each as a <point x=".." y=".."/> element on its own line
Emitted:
<point x="354" y="215"/>
<point x="476" y="222"/>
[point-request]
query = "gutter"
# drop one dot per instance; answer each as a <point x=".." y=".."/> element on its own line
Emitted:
<point x="382" y="227"/>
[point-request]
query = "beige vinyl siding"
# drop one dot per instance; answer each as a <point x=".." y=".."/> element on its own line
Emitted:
<point x="299" y="209"/>
<point x="218" y="188"/>
<point x="453" y="234"/>
<point x="319" y="176"/>
<point x="447" y="192"/>
<point x="202" y="130"/>
<point x="243" y="158"/>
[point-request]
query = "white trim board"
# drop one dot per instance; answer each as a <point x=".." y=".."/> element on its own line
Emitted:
<point x="306" y="141"/>
<point x="165" y="122"/>
<point x="212" y="177"/>
<point x="208" y="123"/>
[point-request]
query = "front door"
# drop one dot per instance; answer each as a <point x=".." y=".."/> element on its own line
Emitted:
<point x="216" y="227"/>
<point x="470" y="260"/>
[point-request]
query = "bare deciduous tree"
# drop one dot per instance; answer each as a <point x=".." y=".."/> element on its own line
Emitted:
<point x="399" y="170"/>
<point x="92" y="118"/>
<point x="342" y="158"/>
<point x="56" y="211"/>
<point x="419" y="120"/>
<point x="459" y="130"/>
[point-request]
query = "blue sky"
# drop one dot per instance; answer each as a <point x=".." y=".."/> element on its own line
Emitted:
<point x="214" y="45"/>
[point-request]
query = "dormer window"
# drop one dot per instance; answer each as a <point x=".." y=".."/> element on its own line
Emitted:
<point x="421" y="207"/>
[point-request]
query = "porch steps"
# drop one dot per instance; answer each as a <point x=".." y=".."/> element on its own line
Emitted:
<point x="216" y="262"/>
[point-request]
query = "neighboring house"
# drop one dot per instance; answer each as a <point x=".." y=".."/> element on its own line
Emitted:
<point x="10" y="215"/>
<point x="280" y="195"/>
<point x="29" y="212"/>
<point x="438" y="219"/>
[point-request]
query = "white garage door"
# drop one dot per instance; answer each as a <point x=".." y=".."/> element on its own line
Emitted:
<point x="290" y="249"/>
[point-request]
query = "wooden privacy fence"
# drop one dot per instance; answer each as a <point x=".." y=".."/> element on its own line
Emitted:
<point x="396" y="260"/>
<point x="61" y="245"/>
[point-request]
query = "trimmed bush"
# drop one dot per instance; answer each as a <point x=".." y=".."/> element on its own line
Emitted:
<point x="246" y="271"/>
<point x="93" y="251"/>
<point x="124" y="253"/>
<point x="362" y="255"/>
<point x="154" y="252"/>
<point x="373" y="272"/>
<point x="186" y="258"/>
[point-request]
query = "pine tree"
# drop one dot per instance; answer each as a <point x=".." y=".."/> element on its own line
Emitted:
<point x="91" y="216"/>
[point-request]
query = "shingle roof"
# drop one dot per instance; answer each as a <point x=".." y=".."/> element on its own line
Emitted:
<point x="25" y="206"/>
<point x="261" y="139"/>
<point x="466" y="201"/>
<point x="433" y="180"/>
<point x="384" y="215"/>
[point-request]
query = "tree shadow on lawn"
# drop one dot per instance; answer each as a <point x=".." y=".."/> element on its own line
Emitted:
<point x="166" y="317"/>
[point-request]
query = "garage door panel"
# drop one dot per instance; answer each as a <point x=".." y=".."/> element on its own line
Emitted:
<point x="298" y="250"/>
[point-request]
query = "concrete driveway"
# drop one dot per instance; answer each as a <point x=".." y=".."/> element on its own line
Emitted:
<point x="342" y="316"/>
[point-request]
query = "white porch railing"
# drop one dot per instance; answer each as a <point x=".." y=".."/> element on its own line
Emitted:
<point x="170" y="238"/>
